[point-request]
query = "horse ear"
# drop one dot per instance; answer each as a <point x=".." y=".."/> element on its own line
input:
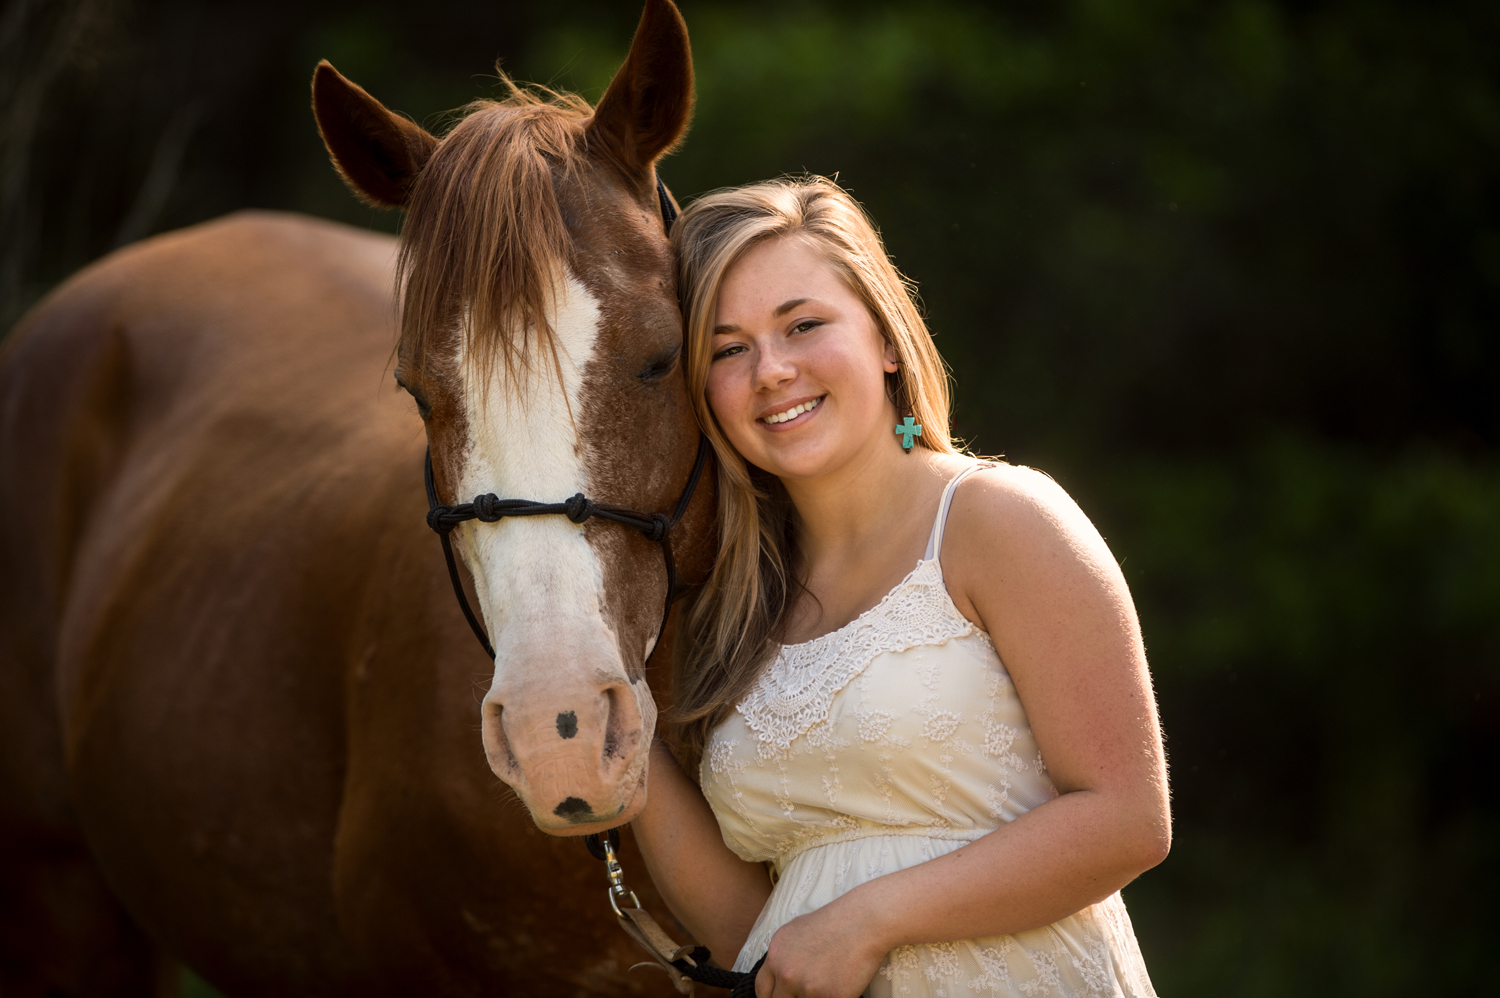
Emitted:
<point x="646" y="109"/>
<point x="378" y="152"/>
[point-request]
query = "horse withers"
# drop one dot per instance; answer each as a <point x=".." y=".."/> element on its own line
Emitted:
<point x="238" y="718"/>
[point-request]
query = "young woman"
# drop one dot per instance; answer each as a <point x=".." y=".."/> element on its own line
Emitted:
<point x="912" y="695"/>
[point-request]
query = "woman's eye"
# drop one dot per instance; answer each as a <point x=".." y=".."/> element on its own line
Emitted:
<point x="729" y="352"/>
<point x="805" y="326"/>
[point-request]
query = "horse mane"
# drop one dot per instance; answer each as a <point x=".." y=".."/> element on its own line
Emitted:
<point x="485" y="246"/>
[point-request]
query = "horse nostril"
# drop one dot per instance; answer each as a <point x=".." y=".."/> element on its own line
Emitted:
<point x="575" y="809"/>
<point x="496" y="743"/>
<point x="567" y="726"/>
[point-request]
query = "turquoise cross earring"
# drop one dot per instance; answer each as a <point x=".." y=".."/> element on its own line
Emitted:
<point x="908" y="429"/>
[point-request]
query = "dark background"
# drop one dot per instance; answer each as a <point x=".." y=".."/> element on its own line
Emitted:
<point x="1230" y="272"/>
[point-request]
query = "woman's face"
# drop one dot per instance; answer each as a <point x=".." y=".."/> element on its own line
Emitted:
<point x="797" y="379"/>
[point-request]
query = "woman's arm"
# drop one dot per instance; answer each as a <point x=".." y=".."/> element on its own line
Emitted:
<point x="1025" y="564"/>
<point x="715" y="895"/>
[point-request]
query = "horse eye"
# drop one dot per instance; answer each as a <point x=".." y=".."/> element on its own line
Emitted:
<point x="424" y="409"/>
<point x="659" y="367"/>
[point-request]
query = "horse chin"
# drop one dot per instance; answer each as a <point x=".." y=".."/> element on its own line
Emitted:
<point x="567" y="828"/>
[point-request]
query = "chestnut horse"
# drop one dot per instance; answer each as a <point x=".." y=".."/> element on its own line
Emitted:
<point x="238" y="719"/>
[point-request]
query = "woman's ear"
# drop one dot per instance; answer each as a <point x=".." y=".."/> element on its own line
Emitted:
<point x="892" y="362"/>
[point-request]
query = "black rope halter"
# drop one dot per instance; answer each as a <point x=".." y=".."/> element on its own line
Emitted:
<point x="490" y="508"/>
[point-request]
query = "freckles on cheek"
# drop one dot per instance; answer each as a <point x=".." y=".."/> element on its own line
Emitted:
<point x="727" y="407"/>
<point x="720" y="398"/>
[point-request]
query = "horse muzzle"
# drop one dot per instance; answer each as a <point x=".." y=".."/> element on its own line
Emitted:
<point x="575" y="752"/>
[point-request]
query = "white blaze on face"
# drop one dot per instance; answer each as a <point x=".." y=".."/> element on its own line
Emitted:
<point x="539" y="582"/>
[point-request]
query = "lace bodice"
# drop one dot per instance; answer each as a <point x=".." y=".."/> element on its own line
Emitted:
<point x="902" y="720"/>
<point x="894" y="739"/>
<point x="797" y="690"/>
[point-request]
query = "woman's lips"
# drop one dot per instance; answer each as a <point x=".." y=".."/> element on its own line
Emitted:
<point x="798" y="411"/>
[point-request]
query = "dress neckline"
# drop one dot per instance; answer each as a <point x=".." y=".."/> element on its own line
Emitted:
<point x="905" y="580"/>
<point x="935" y="546"/>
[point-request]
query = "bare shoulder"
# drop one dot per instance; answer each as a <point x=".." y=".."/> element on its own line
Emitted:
<point x="1013" y="504"/>
<point x="1014" y="532"/>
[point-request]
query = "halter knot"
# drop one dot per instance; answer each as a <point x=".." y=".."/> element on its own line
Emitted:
<point x="578" y="508"/>
<point x="659" y="527"/>
<point x="486" y="508"/>
<point x="437" y="519"/>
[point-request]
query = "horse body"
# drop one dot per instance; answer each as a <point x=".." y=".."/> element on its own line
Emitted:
<point x="160" y="586"/>
<point x="239" y="708"/>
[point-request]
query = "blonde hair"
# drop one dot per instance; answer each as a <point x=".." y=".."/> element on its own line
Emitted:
<point x="733" y="621"/>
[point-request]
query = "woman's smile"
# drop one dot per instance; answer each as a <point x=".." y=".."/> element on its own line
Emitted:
<point x="793" y="413"/>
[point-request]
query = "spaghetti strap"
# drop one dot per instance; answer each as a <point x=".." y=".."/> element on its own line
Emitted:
<point x="935" y="539"/>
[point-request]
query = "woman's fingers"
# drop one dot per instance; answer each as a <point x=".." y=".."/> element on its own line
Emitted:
<point x="768" y="986"/>
<point x="828" y="953"/>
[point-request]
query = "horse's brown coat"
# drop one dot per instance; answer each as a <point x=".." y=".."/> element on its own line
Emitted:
<point x="238" y="703"/>
<point x="267" y="734"/>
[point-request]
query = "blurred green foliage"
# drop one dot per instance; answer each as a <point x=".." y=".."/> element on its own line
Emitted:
<point x="1229" y="271"/>
<point x="1322" y="627"/>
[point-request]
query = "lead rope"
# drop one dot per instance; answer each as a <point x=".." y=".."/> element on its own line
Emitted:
<point x="684" y="964"/>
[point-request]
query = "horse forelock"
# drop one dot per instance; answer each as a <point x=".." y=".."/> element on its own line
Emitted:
<point x="485" y="250"/>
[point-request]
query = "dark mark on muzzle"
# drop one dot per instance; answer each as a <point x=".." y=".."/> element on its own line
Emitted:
<point x="575" y="809"/>
<point x="567" y="725"/>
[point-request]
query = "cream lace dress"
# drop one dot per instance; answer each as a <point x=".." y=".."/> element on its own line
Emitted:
<point x="893" y="740"/>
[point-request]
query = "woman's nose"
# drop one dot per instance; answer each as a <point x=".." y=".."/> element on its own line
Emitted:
<point x="773" y="368"/>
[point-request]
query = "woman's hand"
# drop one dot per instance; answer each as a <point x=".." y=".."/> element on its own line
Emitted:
<point x="829" y="953"/>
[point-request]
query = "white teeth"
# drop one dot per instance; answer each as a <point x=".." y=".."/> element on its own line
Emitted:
<point x="793" y="412"/>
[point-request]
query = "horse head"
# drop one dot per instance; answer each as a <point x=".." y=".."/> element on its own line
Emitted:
<point x="541" y="339"/>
